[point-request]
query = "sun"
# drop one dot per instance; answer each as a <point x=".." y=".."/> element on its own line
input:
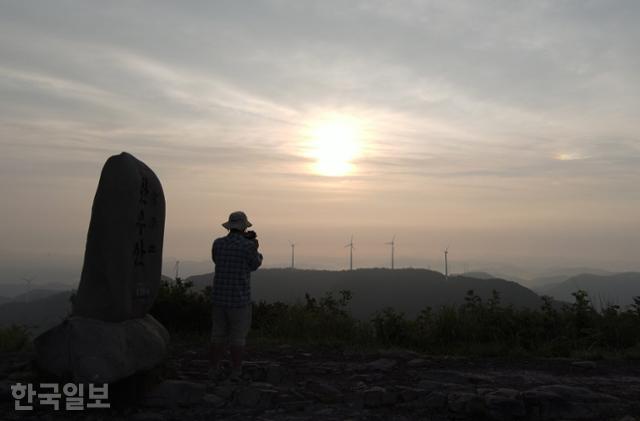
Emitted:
<point x="334" y="143"/>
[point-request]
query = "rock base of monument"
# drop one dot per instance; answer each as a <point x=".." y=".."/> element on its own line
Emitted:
<point x="87" y="350"/>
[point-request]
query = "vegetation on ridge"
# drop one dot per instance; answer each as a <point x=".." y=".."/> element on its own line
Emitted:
<point x="476" y="327"/>
<point x="14" y="338"/>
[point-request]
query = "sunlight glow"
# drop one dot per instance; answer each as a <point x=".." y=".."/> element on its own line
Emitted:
<point x="569" y="156"/>
<point x="334" y="143"/>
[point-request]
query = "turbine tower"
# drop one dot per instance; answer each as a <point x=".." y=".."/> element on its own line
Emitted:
<point x="446" y="262"/>
<point x="28" y="281"/>
<point x="177" y="268"/>
<point x="293" y="254"/>
<point x="350" y="245"/>
<point x="392" y="243"/>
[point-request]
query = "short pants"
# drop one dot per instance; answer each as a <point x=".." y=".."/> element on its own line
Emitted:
<point x="230" y="325"/>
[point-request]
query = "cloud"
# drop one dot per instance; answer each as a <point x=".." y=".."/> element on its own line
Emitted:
<point x="460" y="100"/>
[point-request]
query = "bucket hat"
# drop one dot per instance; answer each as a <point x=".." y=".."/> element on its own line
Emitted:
<point x="237" y="220"/>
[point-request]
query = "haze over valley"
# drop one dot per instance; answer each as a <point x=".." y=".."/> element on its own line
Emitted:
<point x="405" y="290"/>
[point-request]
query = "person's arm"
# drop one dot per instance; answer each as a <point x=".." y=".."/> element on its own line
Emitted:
<point x="213" y="252"/>
<point x="255" y="258"/>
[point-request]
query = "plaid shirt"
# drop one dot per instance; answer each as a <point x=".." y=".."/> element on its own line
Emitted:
<point x="235" y="258"/>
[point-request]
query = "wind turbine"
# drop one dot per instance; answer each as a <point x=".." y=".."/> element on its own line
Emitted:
<point x="28" y="281"/>
<point x="350" y="245"/>
<point x="177" y="268"/>
<point x="446" y="262"/>
<point x="293" y="254"/>
<point x="392" y="243"/>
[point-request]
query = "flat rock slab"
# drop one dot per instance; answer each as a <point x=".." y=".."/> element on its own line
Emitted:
<point x="382" y="364"/>
<point x="459" y="389"/>
<point x="171" y="393"/>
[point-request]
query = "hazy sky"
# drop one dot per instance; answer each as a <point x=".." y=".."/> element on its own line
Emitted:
<point x="507" y="129"/>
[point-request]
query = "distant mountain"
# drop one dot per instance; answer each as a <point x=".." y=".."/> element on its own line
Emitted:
<point x="54" y="268"/>
<point x="574" y="271"/>
<point x="12" y="289"/>
<point x="543" y="284"/>
<point x="206" y="279"/>
<point x="16" y="289"/>
<point x="556" y="276"/>
<point x="478" y="275"/>
<point x="187" y="267"/>
<point x="38" y="314"/>
<point x="406" y="290"/>
<point x="508" y="272"/>
<point x="496" y="274"/>
<point x="34" y="294"/>
<point x="618" y="288"/>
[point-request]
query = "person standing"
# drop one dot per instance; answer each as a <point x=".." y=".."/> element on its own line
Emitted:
<point x="235" y="256"/>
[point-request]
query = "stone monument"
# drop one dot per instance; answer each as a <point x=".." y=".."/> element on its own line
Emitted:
<point x="123" y="258"/>
<point x="109" y="335"/>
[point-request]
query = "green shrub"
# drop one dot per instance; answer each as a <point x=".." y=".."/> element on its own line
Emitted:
<point x="14" y="338"/>
<point x="479" y="328"/>
<point x="392" y="328"/>
<point x="323" y="320"/>
<point x="180" y="309"/>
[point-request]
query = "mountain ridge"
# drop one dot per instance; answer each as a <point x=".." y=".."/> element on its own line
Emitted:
<point x="618" y="288"/>
<point x="406" y="290"/>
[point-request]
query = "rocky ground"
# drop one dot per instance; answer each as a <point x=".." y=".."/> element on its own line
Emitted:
<point x="308" y="383"/>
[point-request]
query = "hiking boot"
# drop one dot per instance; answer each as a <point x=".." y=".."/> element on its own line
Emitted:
<point x="216" y="374"/>
<point x="236" y="375"/>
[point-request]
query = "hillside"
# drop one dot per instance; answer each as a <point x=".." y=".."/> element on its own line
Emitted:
<point x="556" y="276"/>
<point x="540" y="285"/>
<point x="406" y="290"/>
<point x="34" y="294"/>
<point x="13" y="290"/>
<point x="575" y="271"/>
<point x="616" y="289"/>
<point x="38" y="314"/>
<point x="478" y="275"/>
